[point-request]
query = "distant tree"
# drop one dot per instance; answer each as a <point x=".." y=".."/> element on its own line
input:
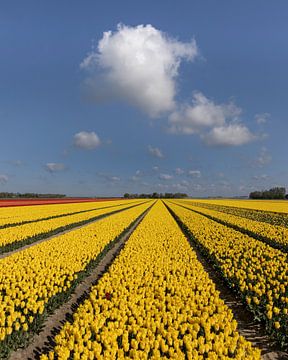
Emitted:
<point x="273" y="193"/>
<point x="126" y="196"/>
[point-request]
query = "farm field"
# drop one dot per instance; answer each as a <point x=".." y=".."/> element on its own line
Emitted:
<point x="155" y="298"/>
<point x="29" y="202"/>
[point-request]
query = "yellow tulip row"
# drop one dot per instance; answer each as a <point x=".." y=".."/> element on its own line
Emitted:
<point x="269" y="217"/>
<point x="258" y="271"/>
<point x="29" y="279"/>
<point x="20" y="233"/>
<point x="275" y="234"/>
<point x="20" y="214"/>
<point x="155" y="301"/>
<point x="280" y="206"/>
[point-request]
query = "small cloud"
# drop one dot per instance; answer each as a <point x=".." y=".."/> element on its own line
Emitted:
<point x="184" y="183"/>
<point x="179" y="187"/>
<point x="179" y="171"/>
<point x="262" y="118"/>
<point x="155" y="168"/>
<point x="202" y="113"/>
<point x="165" y="177"/>
<point x="55" y="167"/>
<point x="260" y="177"/>
<point x="86" y="140"/>
<point x="109" y="178"/>
<point x="3" y="179"/>
<point x="194" y="173"/>
<point x="138" y="172"/>
<point x="155" y="151"/>
<point x="234" y="134"/>
<point x="114" y="178"/>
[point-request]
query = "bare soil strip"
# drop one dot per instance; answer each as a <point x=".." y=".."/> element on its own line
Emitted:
<point x="248" y="327"/>
<point x="58" y="232"/>
<point x="44" y="340"/>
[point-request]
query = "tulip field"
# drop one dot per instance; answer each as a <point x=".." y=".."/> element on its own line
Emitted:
<point x="155" y="298"/>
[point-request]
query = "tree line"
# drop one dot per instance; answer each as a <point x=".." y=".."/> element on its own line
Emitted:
<point x="156" y="195"/>
<point x="11" y="195"/>
<point x="273" y="193"/>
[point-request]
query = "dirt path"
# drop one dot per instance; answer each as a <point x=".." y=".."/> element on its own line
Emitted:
<point x="8" y="253"/>
<point x="54" y="322"/>
<point x="251" y="329"/>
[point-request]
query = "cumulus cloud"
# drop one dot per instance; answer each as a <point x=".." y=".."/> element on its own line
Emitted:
<point x="86" y="140"/>
<point x="138" y="65"/>
<point x="3" y="179"/>
<point x="155" y="151"/>
<point x="194" y="173"/>
<point x="233" y="134"/>
<point x="165" y="177"/>
<point x="217" y="124"/>
<point x="202" y="113"/>
<point x="54" y="167"/>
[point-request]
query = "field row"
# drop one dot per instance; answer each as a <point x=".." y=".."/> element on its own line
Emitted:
<point x="276" y="206"/>
<point x="273" y="218"/>
<point x="155" y="301"/>
<point x="277" y="236"/>
<point x="258" y="271"/>
<point x="12" y="216"/>
<point x="17" y="236"/>
<point x="35" y="279"/>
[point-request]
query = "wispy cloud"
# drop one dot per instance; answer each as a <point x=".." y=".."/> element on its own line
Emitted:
<point x="3" y="179"/>
<point x="155" y="151"/>
<point x="54" y="167"/>
<point x="165" y="177"/>
<point x="263" y="158"/>
<point x="262" y="118"/>
<point x="179" y="171"/>
<point x="194" y="173"/>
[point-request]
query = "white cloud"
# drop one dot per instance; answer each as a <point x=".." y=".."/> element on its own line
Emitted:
<point x="262" y="118"/>
<point x="54" y="167"/>
<point x="115" y="178"/>
<point x="165" y="177"/>
<point x="3" y="179"/>
<point x="155" y="151"/>
<point x="233" y="134"/>
<point x="194" y="173"/>
<point x="179" y="171"/>
<point x="155" y="168"/>
<point x="263" y="158"/>
<point x="260" y="177"/>
<point x="86" y="140"/>
<point x="203" y="113"/>
<point x="138" y="65"/>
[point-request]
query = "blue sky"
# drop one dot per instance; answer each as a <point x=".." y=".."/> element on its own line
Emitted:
<point x="186" y="96"/>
